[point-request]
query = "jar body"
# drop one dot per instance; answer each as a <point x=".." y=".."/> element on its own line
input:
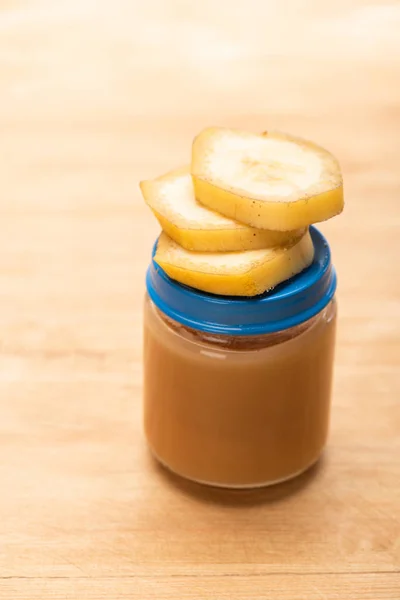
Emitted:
<point x="233" y="411"/>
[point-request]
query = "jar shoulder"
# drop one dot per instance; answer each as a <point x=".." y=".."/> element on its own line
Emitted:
<point x="162" y="324"/>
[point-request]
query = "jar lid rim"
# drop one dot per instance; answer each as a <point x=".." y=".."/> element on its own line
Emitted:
<point x="289" y="304"/>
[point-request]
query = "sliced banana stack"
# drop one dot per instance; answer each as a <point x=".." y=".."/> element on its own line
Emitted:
<point x="272" y="180"/>
<point x="236" y="222"/>
<point x="246" y="273"/>
<point x="195" y="227"/>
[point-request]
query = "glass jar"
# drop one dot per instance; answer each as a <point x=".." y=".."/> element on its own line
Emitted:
<point x="237" y="391"/>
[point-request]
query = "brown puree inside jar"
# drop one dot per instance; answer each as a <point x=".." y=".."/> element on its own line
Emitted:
<point x="237" y="411"/>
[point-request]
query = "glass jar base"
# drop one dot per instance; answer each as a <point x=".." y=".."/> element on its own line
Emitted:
<point x="228" y="486"/>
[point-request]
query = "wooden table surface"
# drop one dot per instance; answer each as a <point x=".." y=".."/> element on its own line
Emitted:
<point x="94" y="97"/>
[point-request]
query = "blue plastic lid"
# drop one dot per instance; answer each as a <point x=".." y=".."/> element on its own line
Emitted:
<point x="290" y="303"/>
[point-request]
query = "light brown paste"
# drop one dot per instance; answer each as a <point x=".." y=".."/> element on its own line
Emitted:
<point x="237" y="411"/>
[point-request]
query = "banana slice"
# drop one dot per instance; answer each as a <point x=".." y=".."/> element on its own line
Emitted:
<point x="234" y="273"/>
<point x="271" y="181"/>
<point x="195" y="227"/>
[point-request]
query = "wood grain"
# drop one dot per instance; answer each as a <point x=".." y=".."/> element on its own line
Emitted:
<point x="94" y="97"/>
